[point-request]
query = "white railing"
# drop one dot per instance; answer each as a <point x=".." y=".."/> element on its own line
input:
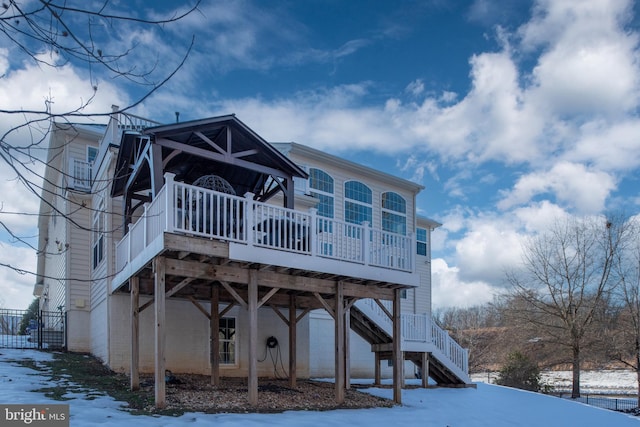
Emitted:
<point x="206" y="213"/>
<point x="80" y="174"/>
<point x="458" y="355"/>
<point x="419" y="328"/>
<point x="184" y="208"/>
<point x="281" y="228"/>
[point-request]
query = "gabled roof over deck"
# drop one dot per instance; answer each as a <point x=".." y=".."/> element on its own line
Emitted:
<point x="221" y="146"/>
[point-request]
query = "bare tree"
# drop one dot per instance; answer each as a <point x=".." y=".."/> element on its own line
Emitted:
<point x="94" y="36"/>
<point x="565" y="281"/>
<point x="625" y="342"/>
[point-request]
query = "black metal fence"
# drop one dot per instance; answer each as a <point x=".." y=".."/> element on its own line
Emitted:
<point x="22" y="329"/>
<point x="614" y="404"/>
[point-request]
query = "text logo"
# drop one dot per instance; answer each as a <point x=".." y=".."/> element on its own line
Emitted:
<point x="34" y="415"/>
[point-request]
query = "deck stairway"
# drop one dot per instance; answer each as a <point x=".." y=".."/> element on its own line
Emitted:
<point x="448" y="361"/>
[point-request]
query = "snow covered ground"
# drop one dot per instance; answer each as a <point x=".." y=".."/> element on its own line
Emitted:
<point x="605" y="382"/>
<point x="488" y="405"/>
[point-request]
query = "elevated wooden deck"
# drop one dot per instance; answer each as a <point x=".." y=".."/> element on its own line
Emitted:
<point x="205" y="246"/>
<point x="186" y="219"/>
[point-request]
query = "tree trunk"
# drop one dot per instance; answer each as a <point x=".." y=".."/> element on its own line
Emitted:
<point x="575" y="391"/>
<point x="638" y="376"/>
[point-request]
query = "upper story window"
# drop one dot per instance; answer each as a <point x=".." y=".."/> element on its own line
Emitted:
<point x="421" y="238"/>
<point x="394" y="213"/>
<point x="92" y="153"/>
<point x="357" y="202"/>
<point x="98" y="231"/>
<point x="321" y="187"/>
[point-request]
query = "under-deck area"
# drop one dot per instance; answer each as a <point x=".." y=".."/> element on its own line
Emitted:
<point x="200" y="270"/>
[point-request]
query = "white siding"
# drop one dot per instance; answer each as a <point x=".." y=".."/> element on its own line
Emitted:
<point x="56" y="257"/>
<point x="187" y="342"/>
<point x="79" y="259"/>
<point x="99" y="330"/>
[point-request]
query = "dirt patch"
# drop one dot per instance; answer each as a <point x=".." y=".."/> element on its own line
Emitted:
<point x="195" y="393"/>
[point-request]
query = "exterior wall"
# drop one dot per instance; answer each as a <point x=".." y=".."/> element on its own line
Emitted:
<point x="56" y="257"/>
<point x="99" y="330"/>
<point x="99" y="296"/>
<point x="65" y="244"/>
<point x="78" y="292"/>
<point x="78" y="260"/>
<point x="187" y="340"/>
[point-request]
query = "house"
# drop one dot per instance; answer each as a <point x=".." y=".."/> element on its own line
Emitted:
<point x="198" y="247"/>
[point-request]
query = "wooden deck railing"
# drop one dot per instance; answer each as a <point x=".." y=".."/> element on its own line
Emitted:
<point x="184" y="208"/>
<point x="420" y="328"/>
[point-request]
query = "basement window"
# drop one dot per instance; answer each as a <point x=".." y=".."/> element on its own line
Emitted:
<point x="227" y="337"/>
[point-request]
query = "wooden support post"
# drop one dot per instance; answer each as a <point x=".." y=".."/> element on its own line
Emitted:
<point x="425" y="370"/>
<point x="339" y="342"/>
<point x="347" y="351"/>
<point x="135" y="331"/>
<point x="293" y="322"/>
<point x="160" y="285"/>
<point x="214" y="337"/>
<point x="398" y="360"/>
<point x="377" y="377"/>
<point x="253" y="337"/>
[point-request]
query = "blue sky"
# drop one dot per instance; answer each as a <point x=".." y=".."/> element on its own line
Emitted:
<point x="511" y="114"/>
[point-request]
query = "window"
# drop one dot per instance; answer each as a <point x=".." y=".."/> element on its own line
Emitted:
<point x="92" y="153"/>
<point x="421" y="238"/>
<point x="227" y="337"/>
<point x="394" y="213"/>
<point x="98" y="234"/>
<point x="357" y="202"/>
<point x="321" y="187"/>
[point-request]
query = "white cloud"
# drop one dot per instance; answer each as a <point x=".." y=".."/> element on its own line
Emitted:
<point x="448" y="290"/>
<point x="538" y="217"/>
<point x="489" y="247"/>
<point x="609" y="146"/>
<point x="589" y="63"/>
<point x="415" y="88"/>
<point x="572" y="184"/>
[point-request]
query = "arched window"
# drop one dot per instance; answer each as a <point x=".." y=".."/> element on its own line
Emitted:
<point x="321" y="187"/>
<point x="357" y="202"/>
<point x="394" y="213"/>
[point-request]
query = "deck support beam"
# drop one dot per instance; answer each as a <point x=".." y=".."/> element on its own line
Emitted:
<point x="135" y="332"/>
<point x="398" y="359"/>
<point x="160" y="367"/>
<point x="252" y="307"/>
<point x="425" y="370"/>
<point x="339" y="343"/>
<point x="214" y="338"/>
<point x="293" y="323"/>
<point x="377" y="377"/>
<point x="347" y="351"/>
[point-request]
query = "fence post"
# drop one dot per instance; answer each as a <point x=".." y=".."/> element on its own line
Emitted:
<point x="313" y="231"/>
<point x="248" y="219"/>
<point x="170" y="206"/>
<point x="366" y="236"/>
